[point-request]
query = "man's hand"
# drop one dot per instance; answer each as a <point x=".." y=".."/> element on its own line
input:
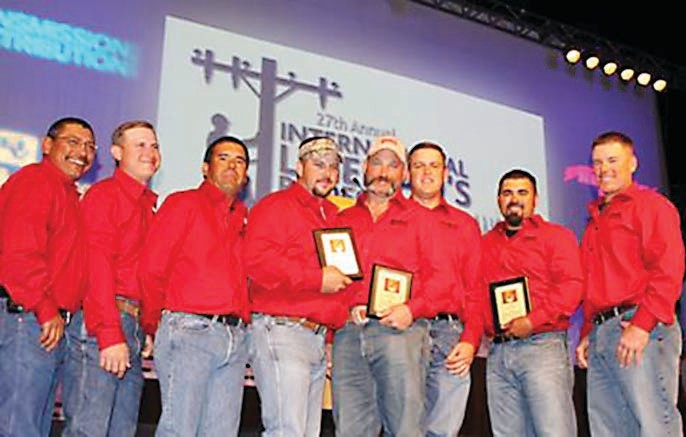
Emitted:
<point x="115" y="359"/>
<point x="51" y="333"/>
<point x="582" y="353"/>
<point x="460" y="359"/>
<point x="520" y="327"/>
<point x="631" y="344"/>
<point x="333" y="280"/>
<point x="148" y="346"/>
<point x="397" y="316"/>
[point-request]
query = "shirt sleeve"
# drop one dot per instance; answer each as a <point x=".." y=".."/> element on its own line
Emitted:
<point x="99" y="229"/>
<point x="662" y="252"/>
<point x="162" y="245"/>
<point x="566" y="279"/>
<point x="26" y="228"/>
<point x="474" y="296"/>
<point x="268" y="261"/>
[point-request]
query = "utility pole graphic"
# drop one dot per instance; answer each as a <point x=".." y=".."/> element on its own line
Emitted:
<point x="270" y="89"/>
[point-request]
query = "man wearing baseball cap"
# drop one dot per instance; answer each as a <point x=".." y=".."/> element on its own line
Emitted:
<point x="294" y="299"/>
<point x="378" y="358"/>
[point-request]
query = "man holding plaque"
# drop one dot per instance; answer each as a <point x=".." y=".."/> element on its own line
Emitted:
<point x="633" y="258"/>
<point x="192" y="276"/>
<point x="455" y="326"/>
<point x="379" y="356"/>
<point x="294" y="299"/>
<point x="533" y="273"/>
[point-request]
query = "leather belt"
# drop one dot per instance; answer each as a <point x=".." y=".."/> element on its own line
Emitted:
<point x="502" y="338"/>
<point x="224" y="319"/>
<point x="603" y="316"/>
<point x="14" y="308"/>
<point x="307" y="324"/>
<point x="446" y="316"/>
<point x="128" y="307"/>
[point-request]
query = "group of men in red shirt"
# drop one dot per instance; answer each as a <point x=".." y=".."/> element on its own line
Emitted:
<point x="87" y="286"/>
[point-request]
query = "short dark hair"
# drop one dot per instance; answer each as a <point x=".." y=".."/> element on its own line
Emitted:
<point x="517" y="173"/>
<point x="226" y="139"/>
<point x="56" y="127"/>
<point x="428" y="145"/>
<point x="611" y="137"/>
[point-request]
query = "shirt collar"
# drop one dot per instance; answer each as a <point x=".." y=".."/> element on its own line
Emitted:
<point x="533" y="222"/>
<point x="58" y="174"/>
<point x="218" y="198"/>
<point x="623" y="196"/>
<point x="309" y="200"/>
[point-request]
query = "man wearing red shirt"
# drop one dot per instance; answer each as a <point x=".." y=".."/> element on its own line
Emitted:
<point x="455" y="325"/>
<point x="103" y="375"/>
<point x="529" y="377"/>
<point x="40" y="278"/>
<point x="633" y="258"/>
<point x="294" y="299"/>
<point x="192" y="268"/>
<point x="379" y="363"/>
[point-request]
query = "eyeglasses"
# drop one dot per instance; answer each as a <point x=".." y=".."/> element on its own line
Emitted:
<point x="75" y="142"/>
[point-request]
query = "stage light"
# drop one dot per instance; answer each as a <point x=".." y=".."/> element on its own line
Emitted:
<point x="592" y="62"/>
<point x="573" y="56"/>
<point x="643" y="79"/>
<point x="627" y="74"/>
<point x="609" y="68"/>
<point x="660" y="85"/>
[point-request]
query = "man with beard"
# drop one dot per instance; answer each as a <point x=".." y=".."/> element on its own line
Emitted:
<point x="40" y="281"/>
<point x="192" y="267"/>
<point x="379" y="363"/>
<point x="633" y="258"/>
<point x="294" y="300"/>
<point x="455" y="325"/>
<point x="103" y="374"/>
<point x="529" y="378"/>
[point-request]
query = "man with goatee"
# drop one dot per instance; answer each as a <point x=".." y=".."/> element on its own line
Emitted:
<point x="529" y="377"/>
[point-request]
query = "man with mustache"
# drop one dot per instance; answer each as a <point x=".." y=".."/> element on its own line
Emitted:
<point x="633" y="258"/>
<point x="40" y="274"/>
<point x="103" y="374"/>
<point x="192" y="267"/>
<point x="379" y="363"/>
<point x="294" y="300"/>
<point x="455" y="325"/>
<point x="529" y="378"/>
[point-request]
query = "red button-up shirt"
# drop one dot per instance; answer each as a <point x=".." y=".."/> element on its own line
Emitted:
<point x="281" y="257"/>
<point x="548" y="255"/>
<point x="39" y="250"/>
<point x="116" y="213"/>
<point x="457" y="253"/>
<point x="633" y="254"/>
<point x="401" y="238"/>
<point x="192" y="260"/>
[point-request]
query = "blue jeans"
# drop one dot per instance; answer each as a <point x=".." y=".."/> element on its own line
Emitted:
<point x="95" y="402"/>
<point x="379" y="376"/>
<point x="639" y="400"/>
<point x="529" y="386"/>
<point x="446" y="394"/>
<point x="201" y="369"/>
<point x="28" y="376"/>
<point x="289" y="362"/>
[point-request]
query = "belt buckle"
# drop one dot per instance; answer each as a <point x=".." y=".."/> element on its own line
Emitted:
<point x="66" y="316"/>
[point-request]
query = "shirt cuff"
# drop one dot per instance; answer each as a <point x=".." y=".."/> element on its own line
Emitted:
<point x="644" y="319"/>
<point x="108" y="337"/>
<point x="46" y="310"/>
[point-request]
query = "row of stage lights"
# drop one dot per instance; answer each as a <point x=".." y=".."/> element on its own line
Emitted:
<point x="626" y="73"/>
